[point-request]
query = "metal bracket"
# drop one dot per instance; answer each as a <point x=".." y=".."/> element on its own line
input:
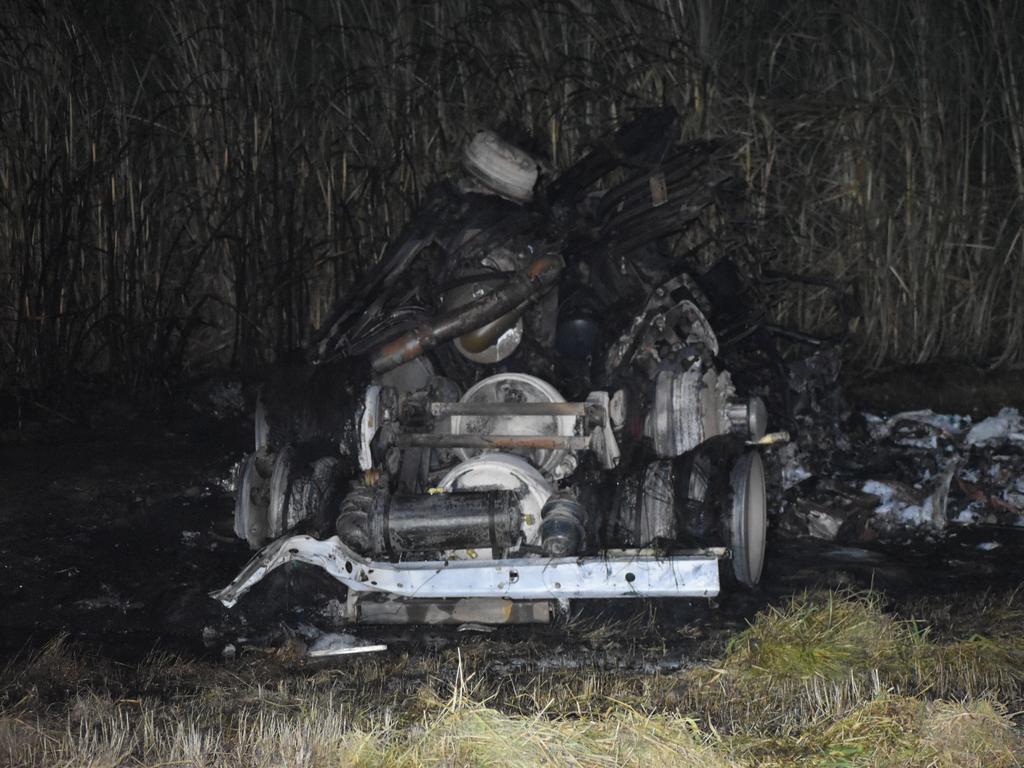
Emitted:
<point x="593" y="429"/>
<point x="603" y="442"/>
<point x="369" y="423"/>
<point x="530" y="578"/>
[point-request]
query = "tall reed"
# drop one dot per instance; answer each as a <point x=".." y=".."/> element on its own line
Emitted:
<point x="185" y="184"/>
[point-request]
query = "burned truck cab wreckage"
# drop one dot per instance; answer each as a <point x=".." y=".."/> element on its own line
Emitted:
<point x="526" y="402"/>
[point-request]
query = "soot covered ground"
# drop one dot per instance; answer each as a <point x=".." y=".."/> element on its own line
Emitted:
<point x="116" y="530"/>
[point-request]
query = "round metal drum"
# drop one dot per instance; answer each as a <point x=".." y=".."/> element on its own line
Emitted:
<point x="503" y="471"/>
<point x="515" y="388"/>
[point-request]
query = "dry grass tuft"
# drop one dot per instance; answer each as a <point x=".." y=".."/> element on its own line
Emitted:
<point x="894" y="731"/>
<point x="992" y="614"/>
<point x="976" y="666"/>
<point x="971" y="734"/>
<point x="822" y="654"/>
<point x="55" y="671"/>
<point x="823" y="636"/>
<point x="817" y="656"/>
<point x="478" y="736"/>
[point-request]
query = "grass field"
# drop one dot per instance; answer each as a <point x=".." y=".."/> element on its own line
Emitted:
<point x="828" y="679"/>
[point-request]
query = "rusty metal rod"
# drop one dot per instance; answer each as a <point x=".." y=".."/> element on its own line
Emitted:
<point x="510" y="409"/>
<point x="528" y="284"/>
<point x="544" y="442"/>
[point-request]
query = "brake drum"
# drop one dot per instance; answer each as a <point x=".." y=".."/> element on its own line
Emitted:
<point x="516" y="388"/>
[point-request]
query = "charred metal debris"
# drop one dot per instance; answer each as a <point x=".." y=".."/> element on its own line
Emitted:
<point x="548" y="389"/>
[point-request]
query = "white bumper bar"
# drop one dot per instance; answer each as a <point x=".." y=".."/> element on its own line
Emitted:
<point x="531" y="578"/>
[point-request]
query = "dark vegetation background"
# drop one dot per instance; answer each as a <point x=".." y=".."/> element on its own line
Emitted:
<point x="187" y="185"/>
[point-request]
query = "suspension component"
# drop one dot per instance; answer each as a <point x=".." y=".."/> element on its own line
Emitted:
<point x="562" y="532"/>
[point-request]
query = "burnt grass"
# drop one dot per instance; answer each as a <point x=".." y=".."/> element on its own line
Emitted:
<point x="115" y="529"/>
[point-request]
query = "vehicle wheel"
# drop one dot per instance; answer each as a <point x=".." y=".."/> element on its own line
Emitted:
<point x="318" y="499"/>
<point x="749" y="518"/>
<point x="251" y="499"/>
<point x="698" y="518"/>
<point x="280" y="490"/>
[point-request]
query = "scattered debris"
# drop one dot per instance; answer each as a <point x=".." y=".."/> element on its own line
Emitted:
<point x="793" y="472"/>
<point x="210" y="636"/>
<point x="922" y="471"/>
<point x="190" y="538"/>
<point x="1005" y="427"/>
<point x="821" y="524"/>
<point x="110" y="599"/>
<point x="912" y="506"/>
<point x="340" y="644"/>
<point x="475" y="627"/>
<point x="219" y="397"/>
<point x="898" y="427"/>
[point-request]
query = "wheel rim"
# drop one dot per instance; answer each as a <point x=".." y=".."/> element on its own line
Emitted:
<point x="749" y="518"/>
<point x="243" y="497"/>
<point x="515" y="387"/>
<point x="250" y="499"/>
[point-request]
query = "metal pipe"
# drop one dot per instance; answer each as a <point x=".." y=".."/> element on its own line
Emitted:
<point x="529" y="283"/>
<point x="420" y="523"/>
<point x="544" y="442"/>
<point x="509" y="409"/>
